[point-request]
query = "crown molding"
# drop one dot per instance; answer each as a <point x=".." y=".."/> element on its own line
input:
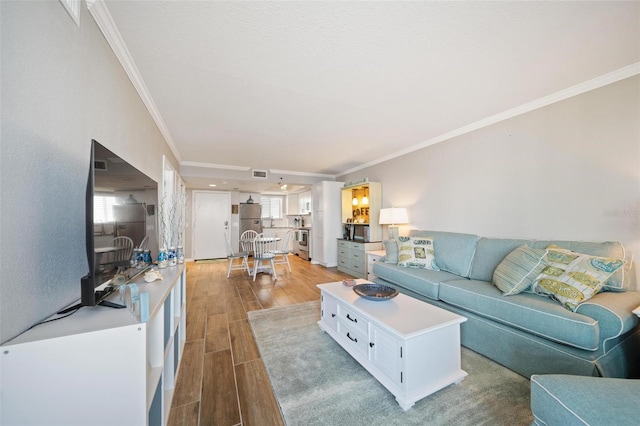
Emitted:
<point x="245" y="169"/>
<point x="102" y="17"/>
<point x="578" y="89"/>
<point x="214" y="166"/>
<point x="293" y="173"/>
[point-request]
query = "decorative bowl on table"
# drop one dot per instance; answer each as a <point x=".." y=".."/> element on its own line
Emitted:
<point x="373" y="291"/>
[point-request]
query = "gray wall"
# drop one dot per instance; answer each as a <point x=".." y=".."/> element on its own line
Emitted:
<point x="570" y="170"/>
<point x="61" y="87"/>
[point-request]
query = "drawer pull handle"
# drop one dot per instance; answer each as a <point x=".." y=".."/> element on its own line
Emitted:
<point x="352" y="319"/>
<point x="333" y="315"/>
<point x="371" y="344"/>
<point x="352" y="339"/>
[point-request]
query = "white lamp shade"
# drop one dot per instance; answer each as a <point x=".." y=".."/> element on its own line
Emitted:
<point x="393" y="216"/>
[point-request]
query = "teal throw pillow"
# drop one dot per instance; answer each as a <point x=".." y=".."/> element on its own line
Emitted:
<point x="518" y="271"/>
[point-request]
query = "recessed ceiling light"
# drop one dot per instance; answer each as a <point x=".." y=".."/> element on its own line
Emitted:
<point x="212" y="184"/>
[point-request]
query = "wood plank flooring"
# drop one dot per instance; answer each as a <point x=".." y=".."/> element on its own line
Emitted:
<point x="222" y="380"/>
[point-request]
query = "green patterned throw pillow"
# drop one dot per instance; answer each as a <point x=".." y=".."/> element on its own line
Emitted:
<point x="416" y="252"/>
<point x="519" y="270"/>
<point x="572" y="278"/>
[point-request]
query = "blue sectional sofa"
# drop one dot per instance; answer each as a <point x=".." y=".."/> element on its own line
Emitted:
<point x="526" y="332"/>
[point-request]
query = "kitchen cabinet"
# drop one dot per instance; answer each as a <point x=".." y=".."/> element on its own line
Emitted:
<point x="304" y="201"/>
<point x="99" y="366"/>
<point x="326" y="222"/>
<point x="293" y="206"/>
<point x="282" y="233"/>
<point x="361" y="203"/>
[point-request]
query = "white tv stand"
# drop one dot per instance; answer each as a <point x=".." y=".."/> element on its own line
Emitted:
<point x="99" y="366"/>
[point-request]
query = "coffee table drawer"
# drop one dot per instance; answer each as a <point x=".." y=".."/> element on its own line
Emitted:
<point x="353" y="337"/>
<point x="354" y="319"/>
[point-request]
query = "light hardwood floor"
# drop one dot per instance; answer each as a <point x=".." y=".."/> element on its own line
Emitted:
<point x="222" y="380"/>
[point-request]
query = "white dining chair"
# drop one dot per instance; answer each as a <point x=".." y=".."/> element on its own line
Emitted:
<point x="124" y="249"/>
<point x="264" y="252"/>
<point x="233" y="256"/>
<point x="282" y="253"/>
<point x="144" y="242"/>
<point x="248" y="236"/>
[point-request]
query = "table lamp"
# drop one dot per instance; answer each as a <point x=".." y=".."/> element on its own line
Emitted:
<point x="392" y="217"/>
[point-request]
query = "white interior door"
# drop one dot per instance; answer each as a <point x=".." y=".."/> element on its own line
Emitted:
<point x="211" y="218"/>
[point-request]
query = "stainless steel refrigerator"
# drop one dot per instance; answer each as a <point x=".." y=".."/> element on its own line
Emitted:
<point x="250" y="217"/>
<point x="130" y="221"/>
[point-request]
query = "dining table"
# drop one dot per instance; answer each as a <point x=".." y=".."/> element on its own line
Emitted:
<point x="99" y="251"/>
<point x="261" y="240"/>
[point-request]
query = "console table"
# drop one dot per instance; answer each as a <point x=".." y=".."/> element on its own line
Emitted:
<point x="411" y="347"/>
<point x="99" y="366"/>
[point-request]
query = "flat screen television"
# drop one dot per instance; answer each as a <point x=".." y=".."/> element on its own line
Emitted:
<point x="120" y="200"/>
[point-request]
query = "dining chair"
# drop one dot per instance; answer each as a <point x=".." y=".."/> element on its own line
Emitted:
<point x="124" y="249"/>
<point x="264" y="251"/>
<point x="232" y="256"/>
<point x="122" y="254"/>
<point x="249" y="236"/>
<point x="282" y="253"/>
<point x="144" y="242"/>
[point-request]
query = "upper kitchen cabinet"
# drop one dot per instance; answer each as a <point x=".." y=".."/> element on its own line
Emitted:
<point x="293" y="206"/>
<point x="361" y="202"/>
<point x="304" y="201"/>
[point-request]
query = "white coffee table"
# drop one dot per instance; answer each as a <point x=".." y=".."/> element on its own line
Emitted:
<point x="412" y="348"/>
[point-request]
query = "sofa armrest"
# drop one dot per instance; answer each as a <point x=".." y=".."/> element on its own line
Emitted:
<point x="613" y="311"/>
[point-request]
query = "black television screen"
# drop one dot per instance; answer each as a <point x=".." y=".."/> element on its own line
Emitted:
<point x="119" y="203"/>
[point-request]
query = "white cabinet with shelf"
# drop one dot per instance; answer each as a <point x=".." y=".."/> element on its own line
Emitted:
<point x="64" y="372"/>
<point x="361" y="205"/>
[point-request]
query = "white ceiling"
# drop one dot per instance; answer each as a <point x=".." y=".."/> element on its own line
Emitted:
<point x="324" y="88"/>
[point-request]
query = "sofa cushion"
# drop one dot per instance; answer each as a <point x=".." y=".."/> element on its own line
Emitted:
<point x="489" y="253"/>
<point x="519" y="270"/>
<point x="423" y="281"/>
<point x="578" y="400"/>
<point x="453" y="251"/>
<point x="606" y="249"/>
<point x="525" y="311"/>
<point x="415" y="252"/>
<point x="572" y="278"/>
